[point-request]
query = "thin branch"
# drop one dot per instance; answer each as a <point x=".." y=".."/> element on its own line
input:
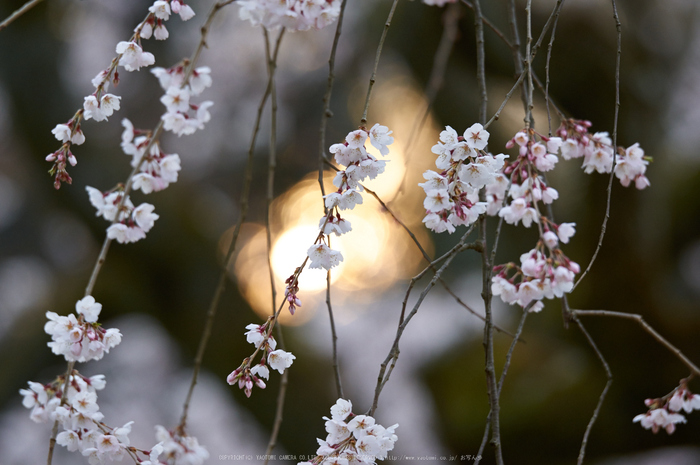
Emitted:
<point x="279" y="411"/>
<point x="486" y="265"/>
<point x="518" y="59"/>
<point x="272" y="164"/>
<point x="480" y="61"/>
<point x="603" y="226"/>
<point x="529" y="122"/>
<point x="272" y="160"/>
<point x="493" y="27"/>
<point x="596" y="411"/>
<point x="327" y="113"/>
<point x="244" y="203"/>
<point x="431" y="264"/>
<point x="372" y="79"/>
<point x="334" y="338"/>
<point x="517" y="56"/>
<point x="19" y="12"/>
<point x="509" y="355"/>
<point x="325" y="116"/>
<point x="63" y="399"/>
<point x="486" y="269"/>
<point x="450" y="32"/>
<point x="546" y="74"/>
<point x="639" y="319"/>
<point x="393" y="355"/>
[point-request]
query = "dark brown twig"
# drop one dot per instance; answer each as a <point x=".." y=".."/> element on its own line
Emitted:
<point x="244" y="204"/>
<point x="604" y="225"/>
<point x="603" y="394"/>
<point x="373" y="78"/>
<point x="325" y="116"/>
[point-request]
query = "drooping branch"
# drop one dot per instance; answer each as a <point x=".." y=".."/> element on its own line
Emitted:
<point x="603" y="394"/>
<point x="244" y="205"/>
<point x="604" y="225"/>
<point x="655" y="334"/>
<point x="393" y="355"/>
<point x="373" y="78"/>
<point x="19" y="12"/>
<point x="325" y="116"/>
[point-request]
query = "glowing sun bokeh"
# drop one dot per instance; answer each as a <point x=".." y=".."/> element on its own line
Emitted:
<point x="377" y="253"/>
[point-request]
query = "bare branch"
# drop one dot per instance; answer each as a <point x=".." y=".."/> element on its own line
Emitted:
<point x="244" y="204"/>
<point x="19" y="12"/>
<point x="327" y="114"/>
<point x="596" y="411"/>
<point x="372" y="79"/>
<point x="334" y="337"/>
<point x="509" y="355"/>
<point x="272" y="164"/>
<point x="639" y="319"/>
<point x="493" y="27"/>
<point x="450" y="32"/>
<point x="603" y="226"/>
<point x="279" y="411"/>
<point x="432" y="263"/>
<point x="393" y="355"/>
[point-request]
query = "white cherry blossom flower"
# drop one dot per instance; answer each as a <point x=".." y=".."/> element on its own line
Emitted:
<point x="160" y="32"/>
<point x="565" y="231"/>
<point x="476" y="137"/>
<point x="323" y="256"/>
<point x="133" y="57"/>
<point x="89" y="308"/>
<point x="380" y="138"/>
<point x="161" y="9"/>
<point x="144" y="217"/>
<point x="280" y="360"/>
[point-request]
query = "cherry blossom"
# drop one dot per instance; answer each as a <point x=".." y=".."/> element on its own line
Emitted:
<point x="452" y="195"/>
<point x="599" y="155"/>
<point x="133" y="57"/>
<point x="280" y="360"/>
<point x="294" y="15"/>
<point x="353" y="438"/>
<point x="323" y="256"/>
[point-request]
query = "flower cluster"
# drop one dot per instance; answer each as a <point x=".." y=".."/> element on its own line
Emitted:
<point x="157" y="169"/>
<point x="130" y="223"/>
<point x="79" y="417"/>
<point x="538" y="277"/>
<point x="83" y="430"/>
<point x="360" y="164"/>
<point x="81" y="398"/>
<point x="183" y="117"/>
<point x="598" y="153"/>
<point x="545" y="271"/>
<point x="452" y="195"/>
<point x="526" y="185"/>
<point x="353" y="439"/>
<point x="260" y="336"/>
<point x="176" y="448"/>
<point x="294" y="15"/>
<point x="100" y="104"/>
<point x="81" y="338"/>
<point x="663" y="412"/>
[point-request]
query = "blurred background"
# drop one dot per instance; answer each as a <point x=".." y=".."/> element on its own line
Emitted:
<point x="157" y="290"/>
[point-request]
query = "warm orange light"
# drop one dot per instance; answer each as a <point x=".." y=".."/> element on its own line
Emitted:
<point x="377" y="252"/>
